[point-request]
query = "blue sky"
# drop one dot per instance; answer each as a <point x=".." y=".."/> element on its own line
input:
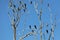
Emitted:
<point x="30" y="18"/>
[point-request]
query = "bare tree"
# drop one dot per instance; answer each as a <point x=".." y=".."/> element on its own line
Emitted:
<point x="15" y="14"/>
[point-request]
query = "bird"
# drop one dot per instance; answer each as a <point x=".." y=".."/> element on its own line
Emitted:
<point x="51" y="29"/>
<point x="35" y="27"/>
<point x="14" y="6"/>
<point x="41" y="12"/>
<point x="13" y="10"/>
<point x="47" y="31"/>
<point x="24" y="10"/>
<point x="18" y="8"/>
<point x="30" y="2"/>
<point x="30" y="26"/>
<point x="20" y="2"/>
<point x="48" y="5"/>
<point x="25" y="5"/>
<point x="32" y="30"/>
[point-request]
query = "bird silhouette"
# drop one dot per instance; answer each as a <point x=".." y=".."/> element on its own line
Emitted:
<point x="32" y="30"/>
<point x="48" y="5"/>
<point x="30" y="2"/>
<point x="14" y="6"/>
<point x="47" y="31"/>
<point x="30" y="26"/>
<point x="35" y="27"/>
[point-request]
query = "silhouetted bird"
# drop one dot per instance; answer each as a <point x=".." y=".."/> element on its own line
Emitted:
<point x="41" y="12"/>
<point x="30" y="2"/>
<point x="35" y="27"/>
<point x="30" y="26"/>
<point x="47" y="31"/>
<point x="20" y="2"/>
<point x="48" y="4"/>
<point x="14" y="6"/>
<point x="32" y="30"/>
<point x="13" y="10"/>
<point x="24" y="10"/>
<point x="51" y="29"/>
<point x="19" y="9"/>
<point x="25" y="5"/>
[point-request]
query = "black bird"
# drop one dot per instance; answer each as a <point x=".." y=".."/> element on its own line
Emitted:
<point x="20" y="2"/>
<point x="47" y="31"/>
<point x="35" y="27"/>
<point x="13" y="10"/>
<point x="41" y="12"/>
<point x="14" y="6"/>
<point x="30" y="2"/>
<point x="30" y="26"/>
<point x="25" y="5"/>
<point x="18" y="8"/>
<point x="48" y="5"/>
<point x="51" y="30"/>
<point x="24" y="10"/>
<point x="32" y="30"/>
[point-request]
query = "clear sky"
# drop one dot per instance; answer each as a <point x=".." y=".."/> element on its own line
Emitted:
<point x="29" y="18"/>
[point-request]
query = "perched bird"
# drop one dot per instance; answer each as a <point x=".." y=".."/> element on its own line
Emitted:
<point x="47" y="31"/>
<point x="20" y="2"/>
<point x="25" y="5"/>
<point x="48" y="5"/>
<point x="18" y="8"/>
<point x="41" y="12"/>
<point x="30" y="2"/>
<point x="32" y="30"/>
<point x="35" y="27"/>
<point x="51" y="29"/>
<point x="14" y="20"/>
<point x="13" y="10"/>
<point x="30" y="26"/>
<point x="24" y="10"/>
<point x="14" y="6"/>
